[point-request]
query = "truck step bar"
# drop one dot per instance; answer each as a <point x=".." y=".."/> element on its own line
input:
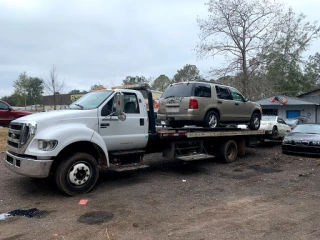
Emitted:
<point x="193" y="157"/>
<point x="128" y="167"/>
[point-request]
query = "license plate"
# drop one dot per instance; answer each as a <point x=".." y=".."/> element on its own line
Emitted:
<point x="172" y="110"/>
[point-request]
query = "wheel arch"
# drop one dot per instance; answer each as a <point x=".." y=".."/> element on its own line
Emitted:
<point x="90" y="148"/>
<point x="213" y="109"/>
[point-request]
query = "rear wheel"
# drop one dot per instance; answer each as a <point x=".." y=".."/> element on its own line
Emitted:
<point x="228" y="151"/>
<point x="254" y="121"/>
<point x="275" y="133"/>
<point x="211" y="120"/>
<point x="77" y="174"/>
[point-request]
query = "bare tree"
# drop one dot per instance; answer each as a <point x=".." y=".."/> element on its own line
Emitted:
<point x="53" y="86"/>
<point x="240" y="30"/>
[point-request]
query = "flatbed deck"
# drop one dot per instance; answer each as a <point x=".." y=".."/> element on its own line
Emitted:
<point x="205" y="132"/>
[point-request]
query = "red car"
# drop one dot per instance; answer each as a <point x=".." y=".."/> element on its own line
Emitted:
<point x="7" y="113"/>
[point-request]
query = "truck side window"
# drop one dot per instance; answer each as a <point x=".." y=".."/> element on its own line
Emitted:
<point x="3" y="106"/>
<point x="223" y="93"/>
<point x="108" y="108"/>
<point x="131" y="104"/>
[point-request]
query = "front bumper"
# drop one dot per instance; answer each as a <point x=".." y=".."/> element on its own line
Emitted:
<point x="27" y="166"/>
<point x="300" y="149"/>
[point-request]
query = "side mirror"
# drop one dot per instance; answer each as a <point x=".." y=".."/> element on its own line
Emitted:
<point x="119" y="105"/>
<point x="9" y="109"/>
<point x="246" y="99"/>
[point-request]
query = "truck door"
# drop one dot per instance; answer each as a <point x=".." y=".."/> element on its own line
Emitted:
<point x="123" y="135"/>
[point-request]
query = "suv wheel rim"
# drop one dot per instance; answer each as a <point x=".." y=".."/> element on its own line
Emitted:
<point x="256" y="122"/>
<point x="212" y="121"/>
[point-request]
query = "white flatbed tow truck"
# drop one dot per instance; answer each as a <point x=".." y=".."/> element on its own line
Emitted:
<point x="111" y="129"/>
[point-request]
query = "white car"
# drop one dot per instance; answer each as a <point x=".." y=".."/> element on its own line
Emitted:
<point x="274" y="126"/>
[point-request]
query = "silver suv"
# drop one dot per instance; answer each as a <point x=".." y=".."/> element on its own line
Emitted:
<point x="208" y="105"/>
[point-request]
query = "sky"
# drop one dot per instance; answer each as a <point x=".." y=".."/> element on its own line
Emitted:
<point x="103" y="41"/>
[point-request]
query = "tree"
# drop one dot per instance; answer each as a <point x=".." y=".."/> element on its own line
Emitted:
<point x="28" y="90"/>
<point x="239" y="30"/>
<point x="74" y="91"/>
<point x="161" y="83"/>
<point x="129" y="80"/>
<point x="53" y="86"/>
<point x="9" y="99"/>
<point x="187" y="73"/>
<point x="96" y="86"/>
<point x="312" y="69"/>
<point x="284" y="63"/>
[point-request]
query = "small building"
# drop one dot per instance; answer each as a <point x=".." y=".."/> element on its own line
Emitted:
<point x="61" y="100"/>
<point x="289" y="107"/>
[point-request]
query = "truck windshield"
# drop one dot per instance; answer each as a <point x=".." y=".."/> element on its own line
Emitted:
<point x="91" y="100"/>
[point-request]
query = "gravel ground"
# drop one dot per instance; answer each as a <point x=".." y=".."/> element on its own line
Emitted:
<point x="263" y="195"/>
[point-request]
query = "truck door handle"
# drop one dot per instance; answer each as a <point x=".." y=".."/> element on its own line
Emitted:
<point x="236" y="104"/>
<point x="104" y="125"/>
<point x="141" y="121"/>
<point x="220" y="102"/>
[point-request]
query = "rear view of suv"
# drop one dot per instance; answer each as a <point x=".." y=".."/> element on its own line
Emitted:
<point x="208" y="105"/>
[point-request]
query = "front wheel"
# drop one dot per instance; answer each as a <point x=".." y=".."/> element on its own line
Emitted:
<point x="77" y="174"/>
<point x="254" y="122"/>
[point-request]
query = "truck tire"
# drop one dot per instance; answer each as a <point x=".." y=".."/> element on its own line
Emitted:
<point x="254" y="122"/>
<point x="211" y="119"/>
<point x="77" y="174"/>
<point x="228" y="151"/>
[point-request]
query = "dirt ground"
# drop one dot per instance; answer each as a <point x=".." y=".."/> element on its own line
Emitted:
<point x="263" y="195"/>
<point x="3" y="139"/>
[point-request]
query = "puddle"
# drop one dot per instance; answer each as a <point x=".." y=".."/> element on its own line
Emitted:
<point x="264" y="169"/>
<point x="29" y="213"/>
<point x="97" y="217"/>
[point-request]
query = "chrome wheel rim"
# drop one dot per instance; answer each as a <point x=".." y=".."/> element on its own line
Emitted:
<point x="256" y="122"/>
<point x="213" y="121"/>
<point x="79" y="174"/>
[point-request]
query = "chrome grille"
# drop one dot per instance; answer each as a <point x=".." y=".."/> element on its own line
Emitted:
<point x="18" y="136"/>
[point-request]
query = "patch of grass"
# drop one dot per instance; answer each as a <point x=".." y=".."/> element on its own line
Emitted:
<point x="3" y="139"/>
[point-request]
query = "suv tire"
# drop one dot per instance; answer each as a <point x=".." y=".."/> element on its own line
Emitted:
<point x="254" y="122"/>
<point x="211" y="119"/>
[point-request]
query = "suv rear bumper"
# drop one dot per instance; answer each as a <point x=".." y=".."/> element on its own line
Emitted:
<point x="195" y="116"/>
<point x="27" y="166"/>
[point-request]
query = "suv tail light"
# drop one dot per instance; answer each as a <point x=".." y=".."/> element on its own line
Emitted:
<point x="193" y="104"/>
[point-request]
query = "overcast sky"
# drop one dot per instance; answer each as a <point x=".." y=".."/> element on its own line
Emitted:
<point x="103" y="41"/>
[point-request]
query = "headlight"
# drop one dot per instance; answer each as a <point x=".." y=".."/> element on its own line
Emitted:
<point x="47" y="145"/>
<point x="315" y="143"/>
<point x="32" y="128"/>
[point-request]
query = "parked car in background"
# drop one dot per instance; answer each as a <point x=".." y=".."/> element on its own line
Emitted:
<point x="275" y="127"/>
<point x="293" y="122"/>
<point x="208" y="105"/>
<point x="304" y="139"/>
<point x="7" y="113"/>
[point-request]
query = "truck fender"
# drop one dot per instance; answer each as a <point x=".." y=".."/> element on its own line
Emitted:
<point x="97" y="139"/>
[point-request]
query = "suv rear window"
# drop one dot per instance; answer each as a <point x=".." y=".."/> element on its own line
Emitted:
<point x="187" y="90"/>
